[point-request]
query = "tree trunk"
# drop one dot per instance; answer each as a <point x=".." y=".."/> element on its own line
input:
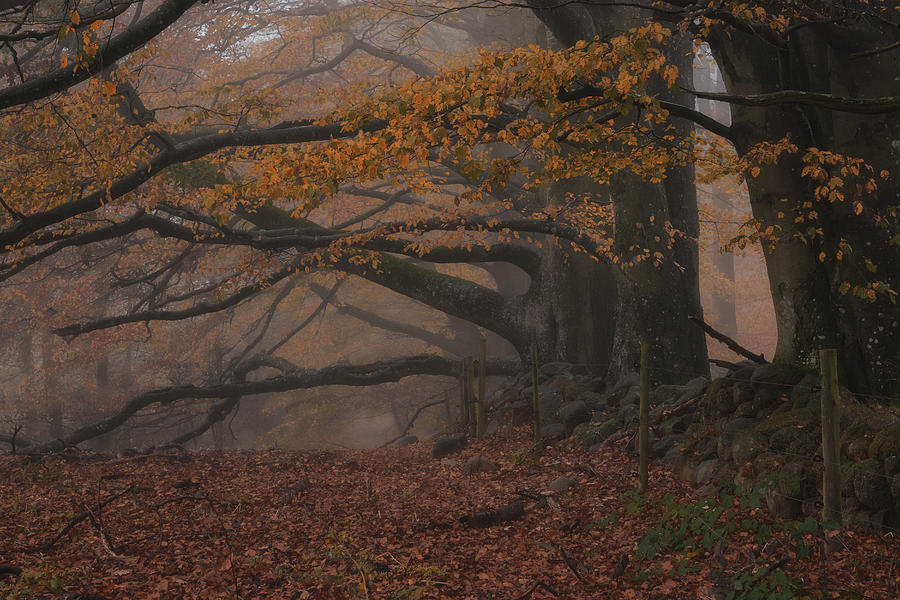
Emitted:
<point x="805" y="276"/>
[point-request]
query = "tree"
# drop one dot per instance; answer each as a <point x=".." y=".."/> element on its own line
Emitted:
<point x="237" y="179"/>
<point x="823" y="194"/>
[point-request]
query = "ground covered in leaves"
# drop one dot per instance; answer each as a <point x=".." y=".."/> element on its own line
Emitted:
<point x="387" y="524"/>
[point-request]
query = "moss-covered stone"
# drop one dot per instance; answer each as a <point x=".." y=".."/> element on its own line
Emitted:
<point x="799" y="417"/>
<point x="772" y="381"/>
<point x="718" y="399"/>
<point x="729" y="432"/>
<point x="886" y="442"/>
<point x="871" y="486"/>
<point x="745" y="447"/>
<point x="804" y="390"/>
<point x="591" y="434"/>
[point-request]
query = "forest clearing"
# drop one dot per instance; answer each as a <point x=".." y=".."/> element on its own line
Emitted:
<point x="388" y="524"/>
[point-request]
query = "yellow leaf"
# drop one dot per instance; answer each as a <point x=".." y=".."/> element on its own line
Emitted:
<point x="76" y="18"/>
<point x="64" y="61"/>
<point x="821" y="257"/>
<point x="857" y="208"/>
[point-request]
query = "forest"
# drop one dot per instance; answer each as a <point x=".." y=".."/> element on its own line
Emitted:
<point x="476" y="299"/>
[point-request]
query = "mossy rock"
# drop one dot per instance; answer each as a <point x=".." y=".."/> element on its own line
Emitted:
<point x="672" y="425"/>
<point x="628" y="415"/>
<point x="799" y="417"/>
<point x="746" y="446"/>
<point x="870" y="485"/>
<point x="729" y="433"/>
<point x="718" y="399"/>
<point x="802" y="392"/>
<point x="745" y="409"/>
<point x="591" y="434"/>
<point x="856" y="448"/>
<point x="886" y="442"/>
<point x="773" y="381"/>
<point x="666" y="394"/>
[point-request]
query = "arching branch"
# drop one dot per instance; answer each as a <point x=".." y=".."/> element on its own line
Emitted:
<point x="118" y="47"/>
<point x="351" y="375"/>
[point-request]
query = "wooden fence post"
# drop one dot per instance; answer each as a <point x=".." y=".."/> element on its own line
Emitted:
<point x="481" y="407"/>
<point x="831" y="492"/>
<point x="470" y="393"/>
<point x="462" y="393"/>
<point x="644" y="424"/>
<point x="535" y="396"/>
<point x="448" y="408"/>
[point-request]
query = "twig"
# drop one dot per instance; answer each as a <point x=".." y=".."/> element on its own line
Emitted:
<point x="12" y="441"/>
<point x="537" y="584"/>
<point x="733" y="345"/>
<point x="9" y="570"/>
<point x="573" y="567"/>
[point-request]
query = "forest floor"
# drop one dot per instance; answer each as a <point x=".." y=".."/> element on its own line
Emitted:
<point x="386" y="524"/>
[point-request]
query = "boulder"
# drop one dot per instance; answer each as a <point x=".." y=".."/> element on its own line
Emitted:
<point x="521" y="412"/>
<point x="574" y="413"/>
<point x="660" y="447"/>
<point x="479" y="464"/>
<point x="552" y="369"/>
<point x="693" y="389"/>
<point x="771" y="382"/>
<point x="593" y="400"/>
<point x="705" y="471"/>
<point x="563" y="484"/>
<point x="596" y="384"/>
<point x="718" y="400"/>
<point x="672" y="425"/>
<point x="622" y="387"/>
<point x="632" y="396"/>
<point x="595" y="434"/>
<point x="797" y="418"/>
<point x="492" y="426"/>
<point x="871" y="486"/>
<point x="892" y="472"/>
<point x="727" y="435"/>
<point x="627" y="415"/>
<point x="553" y="432"/>
<point x="445" y="446"/>
<point x="886" y="442"/>
<point x="406" y="440"/>
<point x="805" y="390"/>
<point x="745" y="447"/>
<point x="666" y="394"/>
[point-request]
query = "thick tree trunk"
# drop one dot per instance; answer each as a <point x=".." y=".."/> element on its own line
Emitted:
<point x="652" y="301"/>
<point x="805" y="277"/>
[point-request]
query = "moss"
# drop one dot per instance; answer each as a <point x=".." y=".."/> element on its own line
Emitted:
<point x="791" y="418"/>
<point x="886" y="442"/>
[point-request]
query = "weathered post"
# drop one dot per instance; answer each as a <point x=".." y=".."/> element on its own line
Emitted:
<point x="535" y="396"/>
<point x="448" y="409"/>
<point x="644" y="424"/>
<point x="831" y="493"/>
<point x="481" y="407"/>
<point x="462" y="393"/>
<point x="470" y="393"/>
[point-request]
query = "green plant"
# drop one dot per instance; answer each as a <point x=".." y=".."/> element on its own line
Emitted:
<point x="46" y="578"/>
<point x="688" y="532"/>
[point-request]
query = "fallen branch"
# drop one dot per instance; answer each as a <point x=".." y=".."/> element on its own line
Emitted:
<point x="573" y="567"/>
<point x="534" y="587"/>
<point x="732" y="345"/>
<point x="72" y="523"/>
<point x="9" y="570"/>
<point x="490" y="517"/>
<point x="621" y="565"/>
<point x="725" y="364"/>
<point x="413" y="420"/>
